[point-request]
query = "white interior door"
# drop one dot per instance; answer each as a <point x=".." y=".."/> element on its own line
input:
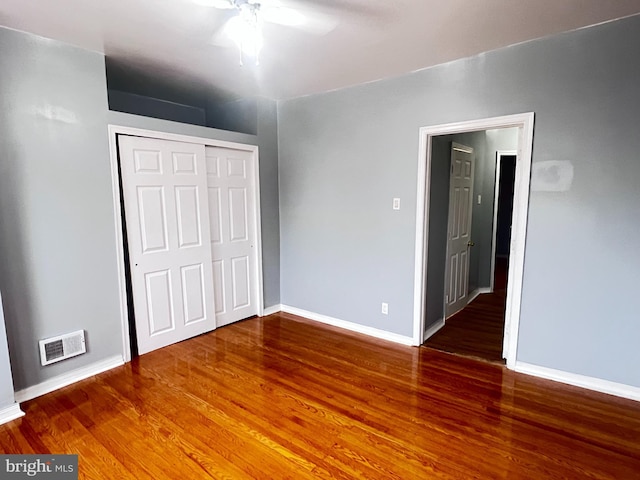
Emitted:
<point x="233" y="222"/>
<point x="459" y="228"/>
<point x="167" y="219"/>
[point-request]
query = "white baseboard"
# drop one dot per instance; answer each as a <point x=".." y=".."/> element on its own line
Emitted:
<point x="354" y="327"/>
<point x="477" y="292"/>
<point x="591" y="383"/>
<point x="433" y="329"/>
<point x="68" y="378"/>
<point x="10" y="413"/>
<point x="271" y="310"/>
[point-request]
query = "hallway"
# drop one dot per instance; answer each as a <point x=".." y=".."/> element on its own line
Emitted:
<point x="477" y="330"/>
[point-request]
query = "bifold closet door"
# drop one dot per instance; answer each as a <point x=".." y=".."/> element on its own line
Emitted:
<point x="167" y="220"/>
<point x="233" y="221"/>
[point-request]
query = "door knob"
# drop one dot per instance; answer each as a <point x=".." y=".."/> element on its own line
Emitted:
<point x="470" y="244"/>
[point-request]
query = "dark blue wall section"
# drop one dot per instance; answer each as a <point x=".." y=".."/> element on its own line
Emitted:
<point x="150" y="92"/>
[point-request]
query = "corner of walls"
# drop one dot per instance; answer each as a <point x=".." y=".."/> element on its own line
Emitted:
<point x="270" y="198"/>
<point x="9" y="410"/>
<point x="279" y="104"/>
<point x="437" y="240"/>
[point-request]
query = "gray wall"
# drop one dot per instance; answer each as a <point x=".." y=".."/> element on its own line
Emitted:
<point x="238" y="115"/>
<point x="345" y="154"/>
<point x="438" y="223"/>
<point x="267" y="129"/>
<point x="156" y="108"/>
<point x="57" y="242"/>
<point x="6" y="381"/>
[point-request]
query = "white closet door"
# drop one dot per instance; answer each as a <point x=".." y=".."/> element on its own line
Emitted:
<point x="167" y="219"/>
<point x="233" y="223"/>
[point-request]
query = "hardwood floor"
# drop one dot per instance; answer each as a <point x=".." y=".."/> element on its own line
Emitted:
<point x="478" y="329"/>
<point x="282" y="397"/>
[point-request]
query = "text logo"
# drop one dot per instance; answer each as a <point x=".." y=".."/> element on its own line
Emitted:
<point x="52" y="467"/>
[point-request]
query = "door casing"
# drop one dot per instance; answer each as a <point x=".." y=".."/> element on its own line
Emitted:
<point x="524" y="122"/>
<point x="114" y="131"/>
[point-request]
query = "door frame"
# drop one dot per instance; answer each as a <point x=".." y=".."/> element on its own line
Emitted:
<point x="114" y="131"/>
<point x="494" y="233"/>
<point x="524" y="122"/>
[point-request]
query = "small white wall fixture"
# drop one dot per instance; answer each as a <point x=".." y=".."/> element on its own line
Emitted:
<point x="524" y="123"/>
<point x="114" y="131"/>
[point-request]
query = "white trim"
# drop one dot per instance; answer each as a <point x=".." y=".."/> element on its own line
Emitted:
<point x="524" y="122"/>
<point x="68" y="378"/>
<point x="433" y="329"/>
<point x="519" y="218"/>
<point x="422" y="239"/>
<point x="178" y="137"/>
<point x="10" y="413"/>
<point x="117" y="216"/>
<point x="591" y="383"/>
<point x="271" y="310"/>
<point x="496" y="193"/>
<point x="354" y="327"/>
<point x="114" y="131"/>
<point x="476" y="293"/>
<point x="259" y="294"/>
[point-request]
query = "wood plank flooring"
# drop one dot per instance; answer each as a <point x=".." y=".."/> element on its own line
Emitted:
<point x="478" y="329"/>
<point x="282" y="397"/>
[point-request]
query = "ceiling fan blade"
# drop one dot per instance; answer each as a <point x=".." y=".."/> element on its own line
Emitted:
<point x="220" y="4"/>
<point x="312" y="22"/>
<point x="341" y="7"/>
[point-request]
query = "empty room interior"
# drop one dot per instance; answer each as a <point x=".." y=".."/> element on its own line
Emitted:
<point x="319" y="239"/>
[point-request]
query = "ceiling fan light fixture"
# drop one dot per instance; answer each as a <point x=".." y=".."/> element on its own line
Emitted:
<point x="245" y="29"/>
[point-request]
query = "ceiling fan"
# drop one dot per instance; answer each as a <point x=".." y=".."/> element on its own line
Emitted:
<point x="245" y="26"/>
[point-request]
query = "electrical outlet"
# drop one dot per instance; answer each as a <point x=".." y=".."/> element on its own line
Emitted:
<point x="385" y="308"/>
<point x="396" y="204"/>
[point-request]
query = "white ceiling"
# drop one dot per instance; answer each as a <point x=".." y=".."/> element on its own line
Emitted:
<point x="373" y="39"/>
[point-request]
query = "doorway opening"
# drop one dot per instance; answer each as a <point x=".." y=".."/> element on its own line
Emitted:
<point x="479" y="231"/>
<point x="461" y="271"/>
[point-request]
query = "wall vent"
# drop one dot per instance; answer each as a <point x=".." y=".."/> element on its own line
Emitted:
<point x="62" y="347"/>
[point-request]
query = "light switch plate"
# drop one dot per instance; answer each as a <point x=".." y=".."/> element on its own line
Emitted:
<point x="396" y="204"/>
